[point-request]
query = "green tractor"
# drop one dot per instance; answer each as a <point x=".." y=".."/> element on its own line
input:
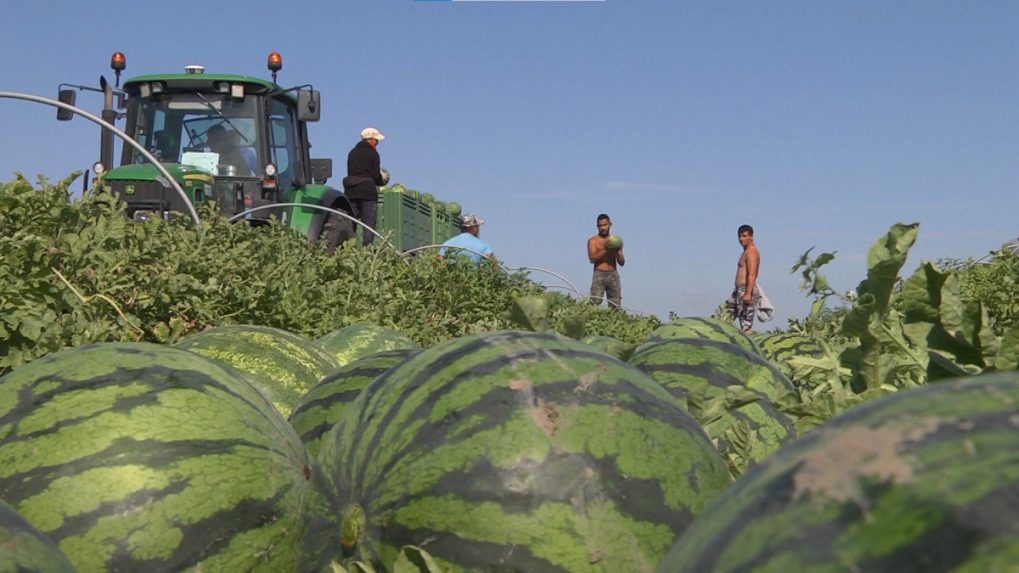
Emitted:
<point x="240" y="141"/>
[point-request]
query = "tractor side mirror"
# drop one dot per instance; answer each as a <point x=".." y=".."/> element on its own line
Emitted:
<point x="68" y="97"/>
<point x="308" y="105"/>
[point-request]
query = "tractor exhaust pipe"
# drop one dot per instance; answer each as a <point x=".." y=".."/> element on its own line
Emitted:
<point x="110" y="116"/>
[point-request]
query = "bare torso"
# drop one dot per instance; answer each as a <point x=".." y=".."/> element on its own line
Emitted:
<point x="742" y="268"/>
<point x="604" y="258"/>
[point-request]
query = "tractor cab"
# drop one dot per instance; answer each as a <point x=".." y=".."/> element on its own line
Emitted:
<point x="240" y="141"/>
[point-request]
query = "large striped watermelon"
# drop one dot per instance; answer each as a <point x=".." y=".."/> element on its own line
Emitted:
<point x="703" y="327"/>
<point x="924" y="480"/>
<point x="320" y="408"/>
<point x="24" y="549"/>
<point x="518" y="451"/>
<point x="780" y="346"/>
<point x="363" y="339"/>
<point x="727" y="390"/>
<point x="140" y="457"/>
<point x="282" y="364"/>
<point x="704" y="365"/>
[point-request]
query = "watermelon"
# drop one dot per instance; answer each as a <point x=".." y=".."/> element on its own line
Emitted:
<point x="24" y="549"/>
<point x="141" y="457"/>
<point x="363" y="339"/>
<point x="926" y="479"/>
<point x="453" y="209"/>
<point x="703" y="365"/>
<point x="728" y="390"/>
<point x="320" y="408"/>
<point x="614" y="242"/>
<point x="282" y="364"/>
<point x="703" y="327"/>
<point x="518" y="451"/>
<point x="780" y="347"/>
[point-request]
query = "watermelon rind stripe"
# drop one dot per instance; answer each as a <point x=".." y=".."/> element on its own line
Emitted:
<point x="703" y="327"/>
<point x="321" y="407"/>
<point x="282" y="364"/>
<point x="702" y="362"/>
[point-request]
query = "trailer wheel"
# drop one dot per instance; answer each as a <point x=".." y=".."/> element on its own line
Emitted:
<point x="338" y="230"/>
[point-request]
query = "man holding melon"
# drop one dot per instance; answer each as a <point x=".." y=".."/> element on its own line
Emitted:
<point x="605" y="251"/>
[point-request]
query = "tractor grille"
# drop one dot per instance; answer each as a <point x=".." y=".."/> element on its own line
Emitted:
<point x="147" y="196"/>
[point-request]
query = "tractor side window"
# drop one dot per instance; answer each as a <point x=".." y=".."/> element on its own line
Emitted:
<point x="284" y="143"/>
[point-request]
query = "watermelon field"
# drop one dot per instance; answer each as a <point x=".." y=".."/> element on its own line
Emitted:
<point x="231" y="398"/>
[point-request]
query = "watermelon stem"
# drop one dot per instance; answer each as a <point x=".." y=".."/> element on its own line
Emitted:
<point x="352" y="529"/>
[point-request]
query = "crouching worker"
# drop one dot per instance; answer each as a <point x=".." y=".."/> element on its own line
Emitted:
<point x="468" y="244"/>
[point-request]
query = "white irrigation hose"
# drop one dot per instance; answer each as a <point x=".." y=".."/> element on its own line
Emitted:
<point x="557" y="275"/>
<point x="437" y="246"/>
<point x="320" y="207"/>
<point x="127" y="140"/>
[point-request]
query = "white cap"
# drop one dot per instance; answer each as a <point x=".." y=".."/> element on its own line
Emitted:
<point x="471" y="220"/>
<point x="372" y="133"/>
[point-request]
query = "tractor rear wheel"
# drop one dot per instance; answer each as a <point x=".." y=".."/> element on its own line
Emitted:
<point x="338" y="230"/>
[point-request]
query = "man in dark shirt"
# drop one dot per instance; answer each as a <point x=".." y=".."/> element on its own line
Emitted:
<point x="364" y="176"/>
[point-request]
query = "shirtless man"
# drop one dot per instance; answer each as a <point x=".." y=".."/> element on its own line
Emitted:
<point x="743" y="303"/>
<point x="605" y="282"/>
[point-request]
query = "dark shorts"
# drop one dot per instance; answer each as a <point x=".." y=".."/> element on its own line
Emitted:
<point x="606" y="284"/>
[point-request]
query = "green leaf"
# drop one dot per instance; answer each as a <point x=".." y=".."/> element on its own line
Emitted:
<point x="885" y="260"/>
<point x="573" y="326"/>
<point x="737" y="396"/>
<point x="942" y="366"/>
<point x="967" y="323"/>
<point x="529" y="313"/>
<point x="415" y="560"/>
<point x="885" y="356"/>
<point x="921" y="295"/>
<point x="1008" y="352"/>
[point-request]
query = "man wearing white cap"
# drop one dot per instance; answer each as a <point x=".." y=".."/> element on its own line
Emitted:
<point x="364" y="176"/>
<point x="467" y="243"/>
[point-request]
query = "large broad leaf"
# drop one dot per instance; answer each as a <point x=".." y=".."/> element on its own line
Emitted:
<point x="942" y="366"/>
<point x="885" y="356"/>
<point x="1008" y="353"/>
<point x="415" y="560"/>
<point x="921" y="295"/>
<point x="885" y="260"/>
<point x="573" y="326"/>
<point x="530" y="312"/>
<point x="956" y="331"/>
<point x="967" y="323"/>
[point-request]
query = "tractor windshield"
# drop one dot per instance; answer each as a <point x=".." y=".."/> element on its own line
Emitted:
<point x="215" y="132"/>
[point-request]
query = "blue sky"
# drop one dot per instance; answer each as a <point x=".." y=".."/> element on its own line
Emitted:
<point x="819" y="123"/>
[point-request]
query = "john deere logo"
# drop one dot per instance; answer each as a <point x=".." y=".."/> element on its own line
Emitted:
<point x="129" y="190"/>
